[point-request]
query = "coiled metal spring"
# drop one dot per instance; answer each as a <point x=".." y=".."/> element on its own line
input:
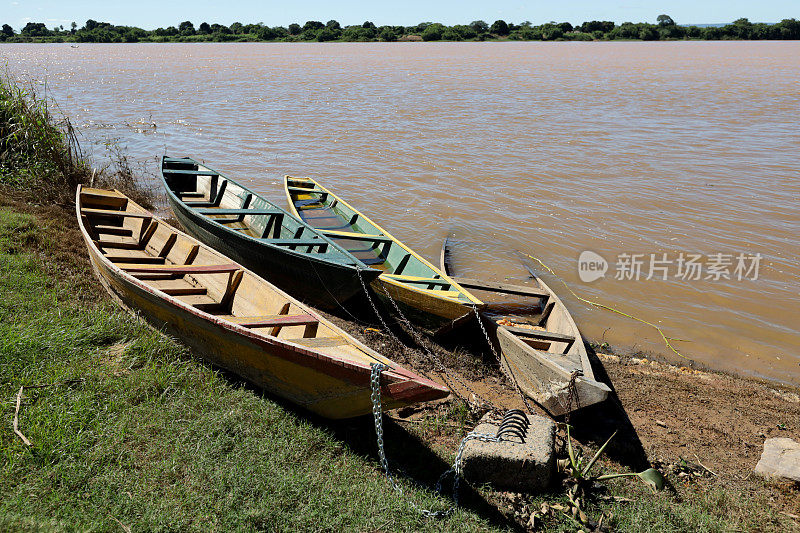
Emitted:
<point x="514" y="425"/>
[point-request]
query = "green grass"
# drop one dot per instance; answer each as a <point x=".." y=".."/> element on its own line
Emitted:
<point x="131" y="429"/>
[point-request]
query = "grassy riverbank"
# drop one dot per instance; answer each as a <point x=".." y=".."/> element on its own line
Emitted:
<point x="128" y="430"/>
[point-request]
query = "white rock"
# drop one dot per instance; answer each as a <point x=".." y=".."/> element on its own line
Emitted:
<point x="781" y="458"/>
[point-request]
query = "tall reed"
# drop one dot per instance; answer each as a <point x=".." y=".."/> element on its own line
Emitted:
<point x="40" y="153"/>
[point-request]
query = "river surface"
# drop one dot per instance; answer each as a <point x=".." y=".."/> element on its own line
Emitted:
<point x="550" y="148"/>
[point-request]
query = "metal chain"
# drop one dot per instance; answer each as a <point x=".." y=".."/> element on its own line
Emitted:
<point x="434" y="358"/>
<point x="500" y="362"/>
<point x="374" y="307"/>
<point x="455" y="470"/>
<point x="389" y="332"/>
<point x="572" y="396"/>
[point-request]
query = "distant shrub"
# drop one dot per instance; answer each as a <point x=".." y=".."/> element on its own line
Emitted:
<point x="433" y="32"/>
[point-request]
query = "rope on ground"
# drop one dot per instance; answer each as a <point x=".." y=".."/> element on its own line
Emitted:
<point x="608" y="308"/>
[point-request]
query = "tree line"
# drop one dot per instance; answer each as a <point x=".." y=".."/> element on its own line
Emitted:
<point x="664" y="29"/>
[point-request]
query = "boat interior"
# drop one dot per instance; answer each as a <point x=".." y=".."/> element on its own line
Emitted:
<point x="534" y="317"/>
<point x="176" y="265"/>
<point x="533" y="314"/>
<point x="225" y="202"/>
<point x="365" y="240"/>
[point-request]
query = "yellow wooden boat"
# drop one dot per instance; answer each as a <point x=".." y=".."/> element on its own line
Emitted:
<point x="425" y="294"/>
<point x="232" y="317"/>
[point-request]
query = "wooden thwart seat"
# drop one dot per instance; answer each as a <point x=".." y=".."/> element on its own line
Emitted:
<point x="216" y="197"/>
<point x="104" y="198"/>
<point x="239" y="211"/>
<point x="295" y="242"/>
<point x="356" y="236"/>
<point x="191" y="172"/>
<point x="519" y="290"/>
<point x="418" y="279"/>
<point x="306" y="190"/>
<point x="113" y="213"/>
<point x="320" y="342"/>
<point x="122" y="243"/>
<point x="274" y="320"/>
<point x="178" y="287"/>
<point x="179" y="269"/>
<point x="439" y="292"/>
<point x="543" y="335"/>
<point x="141" y="257"/>
<point x="113" y="230"/>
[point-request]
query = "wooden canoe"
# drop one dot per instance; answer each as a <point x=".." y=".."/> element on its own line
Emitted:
<point x="261" y="236"/>
<point x="540" y="345"/>
<point x="231" y="317"/>
<point x="425" y="295"/>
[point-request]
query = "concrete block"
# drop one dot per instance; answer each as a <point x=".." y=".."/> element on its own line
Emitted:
<point x="512" y="465"/>
<point x="781" y="458"/>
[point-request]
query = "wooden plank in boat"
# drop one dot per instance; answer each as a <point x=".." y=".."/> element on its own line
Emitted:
<point x="320" y="342"/>
<point x="141" y="257"/>
<point x="122" y="243"/>
<point x="191" y="172"/>
<point x="180" y="269"/>
<point x="105" y="198"/>
<point x="542" y="335"/>
<point x="418" y="279"/>
<point x="295" y="242"/>
<point x="505" y="288"/>
<point x="274" y="320"/>
<point x="356" y="236"/>
<point x="212" y="211"/>
<point x="112" y="213"/>
<point x="113" y="230"/>
<point x="439" y="292"/>
<point x="177" y="287"/>
<point x="306" y="190"/>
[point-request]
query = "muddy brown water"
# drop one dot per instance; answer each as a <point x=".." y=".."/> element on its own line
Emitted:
<point x="551" y="148"/>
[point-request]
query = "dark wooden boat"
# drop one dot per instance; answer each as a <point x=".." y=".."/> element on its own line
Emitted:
<point x="261" y="236"/>
<point x="425" y="294"/>
<point x="232" y="317"/>
<point x="540" y="345"/>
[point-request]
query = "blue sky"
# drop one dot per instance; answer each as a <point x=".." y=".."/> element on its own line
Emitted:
<point x="150" y="14"/>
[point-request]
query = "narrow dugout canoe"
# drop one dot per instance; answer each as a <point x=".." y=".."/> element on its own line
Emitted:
<point x="232" y="317"/>
<point x="258" y="234"/>
<point x="540" y="345"/>
<point x="426" y="295"/>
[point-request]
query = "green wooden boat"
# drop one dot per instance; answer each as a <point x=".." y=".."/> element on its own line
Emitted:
<point x="261" y="236"/>
<point x="424" y="293"/>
